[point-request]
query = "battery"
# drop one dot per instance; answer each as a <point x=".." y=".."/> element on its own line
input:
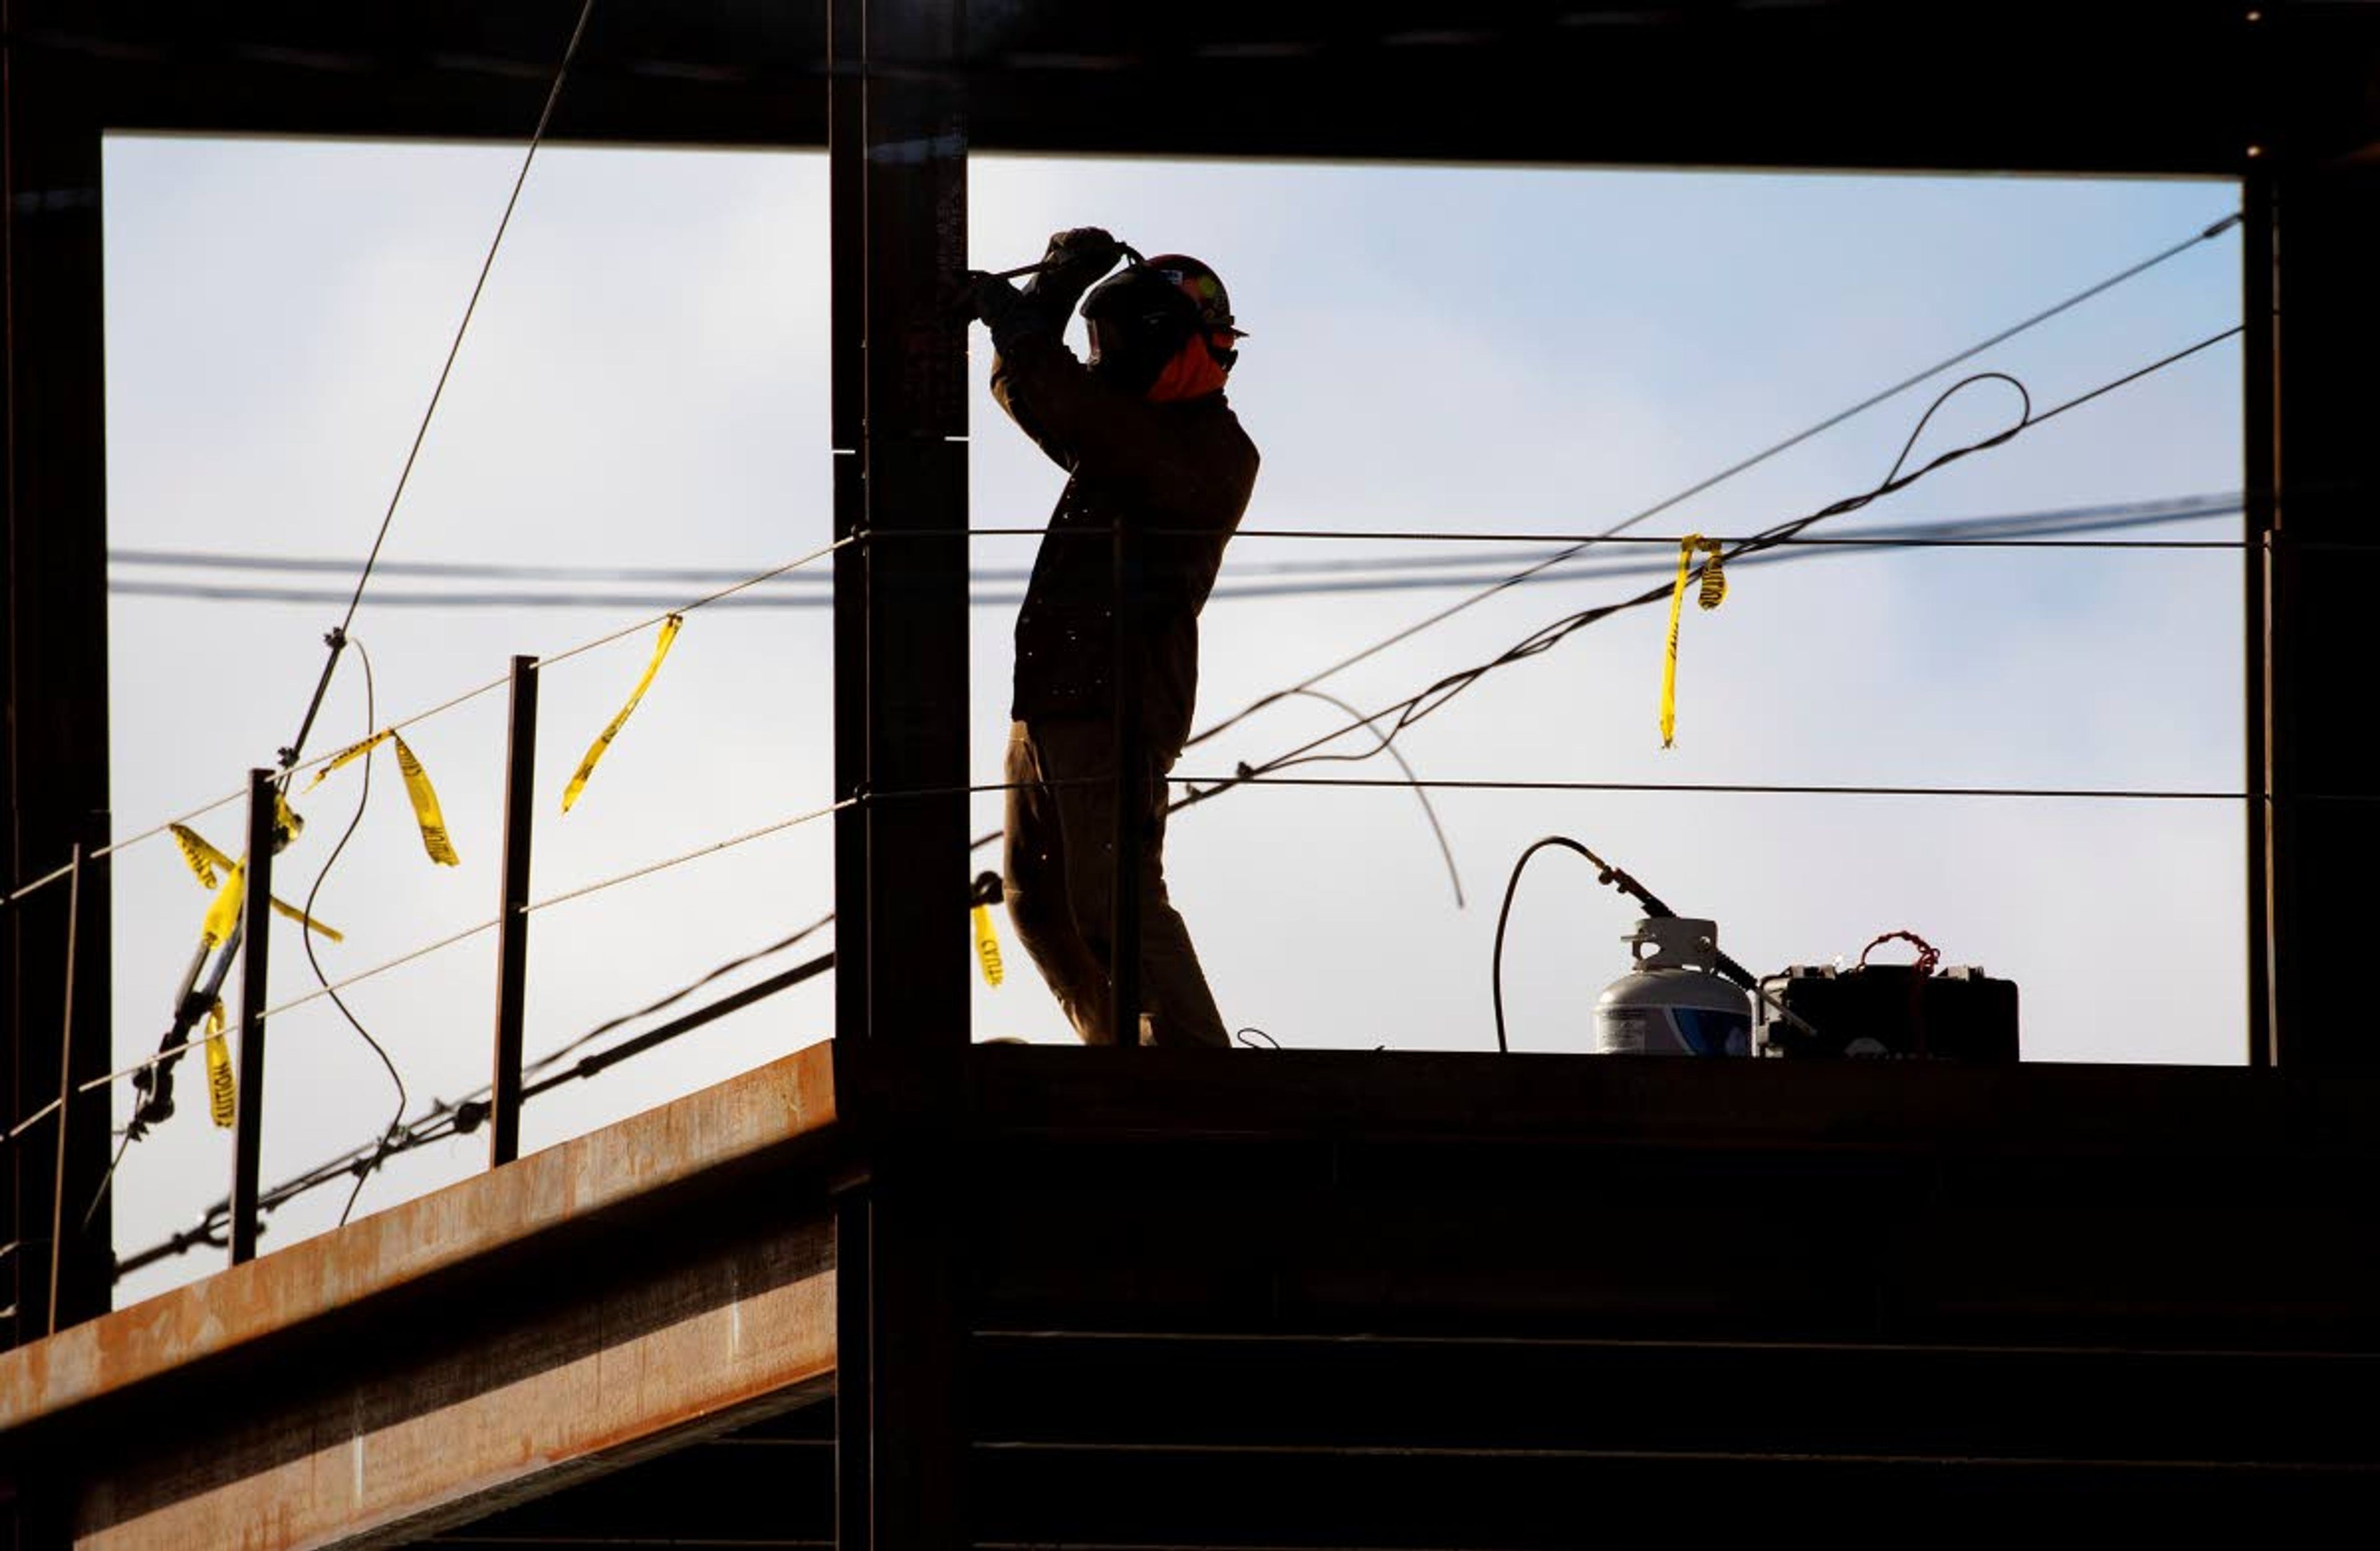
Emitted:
<point x="1887" y="1011"/>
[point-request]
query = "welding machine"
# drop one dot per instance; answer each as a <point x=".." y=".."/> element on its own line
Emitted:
<point x="1890" y="1011"/>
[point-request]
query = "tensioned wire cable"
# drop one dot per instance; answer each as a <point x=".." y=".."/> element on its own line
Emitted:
<point x="338" y="638"/>
<point x="1781" y="534"/>
<point x="2066" y="304"/>
<point x="1414" y="707"/>
<point x="465" y="933"/>
<point x="442" y="1118"/>
<point x="1405" y="712"/>
<point x="466" y="697"/>
<point x="1908" y="536"/>
<point x="1330" y="578"/>
<point x="1440" y="617"/>
<point x="1985" y="531"/>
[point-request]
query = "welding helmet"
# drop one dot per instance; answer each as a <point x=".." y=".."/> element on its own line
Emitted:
<point x="1145" y="315"/>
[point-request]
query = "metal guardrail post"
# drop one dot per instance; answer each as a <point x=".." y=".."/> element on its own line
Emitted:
<point x="65" y="1089"/>
<point x="256" y="938"/>
<point x="512" y="927"/>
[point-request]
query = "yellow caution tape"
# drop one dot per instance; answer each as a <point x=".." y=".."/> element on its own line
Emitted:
<point x="1714" y="589"/>
<point x="222" y="1099"/>
<point x="603" y="739"/>
<point x="986" y="946"/>
<point x="207" y="864"/>
<point x="425" y="807"/>
<point x="224" y="914"/>
<point x="288" y="912"/>
<point x="205" y="861"/>
<point x="349" y="754"/>
<point x="417" y="790"/>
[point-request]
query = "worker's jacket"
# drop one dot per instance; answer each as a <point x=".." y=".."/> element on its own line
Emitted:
<point x="1175" y="474"/>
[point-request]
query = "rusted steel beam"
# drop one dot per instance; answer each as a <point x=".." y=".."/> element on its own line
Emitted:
<point x="638" y="1161"/>
<point x="634" y="1289"/>
<point x="527" y="1395"/>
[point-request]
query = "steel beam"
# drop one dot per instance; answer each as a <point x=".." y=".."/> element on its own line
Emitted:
<point x="913" y="161"/>
<point x="2111" y="85"/>
<point x="2318" y="655"/>
<point x="647" y="1284"/>
<point x="898" y="188"/>
<point x="54" y="752"/>
<point x="847" y="435"/>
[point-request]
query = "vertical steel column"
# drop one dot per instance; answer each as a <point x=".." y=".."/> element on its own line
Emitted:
<point x="1131" y="795"/>
<point x="54" y="755"/>
<point x="2260" y="461"/>
<point x="898" y="187"/>
<point x="847" y="383"/>
<point x="255" y="967"/>
<point x="512" y="919"/>
<point x="916" y="470"/>
<point x="2325" y="847"/>
<point x="847" y="391"/>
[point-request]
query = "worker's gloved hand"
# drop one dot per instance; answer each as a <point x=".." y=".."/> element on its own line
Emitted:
<point x="1076" y="258"/>
<point x="988" y="296"/>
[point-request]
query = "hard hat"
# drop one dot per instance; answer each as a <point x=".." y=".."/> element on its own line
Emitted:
<point x="1140" y="316"/>
<point x="1203" y="287"/>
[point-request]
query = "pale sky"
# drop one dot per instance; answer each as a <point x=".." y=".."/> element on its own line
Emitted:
<point x="1434" y="349"/>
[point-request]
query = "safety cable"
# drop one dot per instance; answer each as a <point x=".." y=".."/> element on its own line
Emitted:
<point x="2175" y="508"/>
<point x="1210" y="785"/>
<point x="466" y="697"/>
<point x="1432" y="698"/>
<point x="444" y="1118"/>
<point x="681" y="859"/>
<point x="1428" y="621"/>
<point x="1305" y="578"/>
<point x="562" y="1053"/>
<point x="467" y="933"/>
<point x="1415" y="707"/>
<point x="2208" y="234"/>
<point x="2082" y="519"/>
<point x="2145" y="265"/>
<point x="336" y="639"/>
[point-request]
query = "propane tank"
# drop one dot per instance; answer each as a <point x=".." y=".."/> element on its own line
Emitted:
<point x="1673" y="1002"/>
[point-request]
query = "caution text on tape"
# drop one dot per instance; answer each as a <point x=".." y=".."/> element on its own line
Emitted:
<point x="1714" y="591"/>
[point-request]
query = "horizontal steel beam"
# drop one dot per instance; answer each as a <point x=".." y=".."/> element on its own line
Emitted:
<point x="650" y="1283"/>
<point x="2106" y="85"/>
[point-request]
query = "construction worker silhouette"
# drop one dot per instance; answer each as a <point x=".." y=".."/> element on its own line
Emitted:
<point x="1148" y="443"/>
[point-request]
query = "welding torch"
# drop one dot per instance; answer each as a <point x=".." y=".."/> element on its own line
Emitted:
<point x="1132" y="256"/>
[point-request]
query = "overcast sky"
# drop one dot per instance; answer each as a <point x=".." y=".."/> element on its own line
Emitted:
<point x="1431" y="349"/>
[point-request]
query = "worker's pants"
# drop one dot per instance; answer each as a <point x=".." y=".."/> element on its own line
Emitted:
<point x="1060" y="873"/>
